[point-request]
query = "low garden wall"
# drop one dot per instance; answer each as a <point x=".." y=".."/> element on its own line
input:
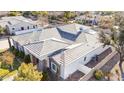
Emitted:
<point x="98" y="66"/>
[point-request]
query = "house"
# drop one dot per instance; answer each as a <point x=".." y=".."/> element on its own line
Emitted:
<point x="18" y="25"/>
<point x="40" y="51"/>
<point x="89" y="20"/>
<point x="64" y="50"/>
<point x="20" y="40"/>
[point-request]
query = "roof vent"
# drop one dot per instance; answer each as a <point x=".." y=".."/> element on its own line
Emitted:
<point x="81" y="28"/>
<point x="9" y="22"/>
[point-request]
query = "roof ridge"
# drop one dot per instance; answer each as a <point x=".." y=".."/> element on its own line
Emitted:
<point x="57" y="40"/>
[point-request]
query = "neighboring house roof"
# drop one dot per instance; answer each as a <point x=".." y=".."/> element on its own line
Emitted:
<point x="45" y="47"/>
<point x="36" y="36"/>
<point x="16" y="20"/>
<point x="3" y="23"/>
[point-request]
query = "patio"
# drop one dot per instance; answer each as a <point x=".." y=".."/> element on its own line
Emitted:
<point x="100" y="57"/>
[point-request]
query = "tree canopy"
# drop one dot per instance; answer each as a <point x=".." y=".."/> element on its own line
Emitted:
<point x="115" y="39"/>
<point x="39" y="13"/>
<point x="14" y="13"/>
<point x="28" y="72"/>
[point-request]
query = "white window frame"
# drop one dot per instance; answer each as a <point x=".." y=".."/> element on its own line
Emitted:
<point x="55" y="70"/>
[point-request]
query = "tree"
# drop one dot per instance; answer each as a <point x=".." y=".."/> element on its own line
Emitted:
<point x="28" y="72"/>
<point x="39" y="13"/>
<point x="27" y="59"/>
<point x="98" y="74"/>
<point x="116" y="40"/>
<point x="8" y="59"/>
<point x="2" y="30"/>
<point x="68" y="15"/>
<point x="42" y="17"/>
<point x="15" y="13"/>
<point x="106" y="22"/>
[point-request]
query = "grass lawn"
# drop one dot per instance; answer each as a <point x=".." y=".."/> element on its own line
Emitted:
<point x="1" y="50"/>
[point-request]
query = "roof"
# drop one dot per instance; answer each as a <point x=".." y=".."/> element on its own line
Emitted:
<point x="81" y="36"/>
<point x="13" y="20"/>
<point x="36" y="36"/>
<point x="74" y="32"/>
<point x="45" y="47"/>
<point x="86" y="42"/>
<point x="75" y="52"/>
<point x="72" y="28"/>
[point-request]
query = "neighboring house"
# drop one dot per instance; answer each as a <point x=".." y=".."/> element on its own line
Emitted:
<point x="65" y="50"/>
<point x="18" y="25"/>
<point x="89" y="20"/>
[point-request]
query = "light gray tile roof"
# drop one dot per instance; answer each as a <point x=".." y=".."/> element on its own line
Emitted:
<point x="17" y="20"/>
<point x="80" y="48"/>
<point x="50" y="33"/>
<point x="37" y="36"/>
<point x="45" y="47"/>
<point x="72" y="54"/>
<point x="72" y="28"/>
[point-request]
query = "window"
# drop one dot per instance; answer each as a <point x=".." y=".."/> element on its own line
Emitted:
<point x="22" y="28"/>
<point x="28" y="27"/>
<point x="53" y="66"/>
<point x="85" y="58"/>
<point x="33" y="26"/>
<point x="13" y="28"/>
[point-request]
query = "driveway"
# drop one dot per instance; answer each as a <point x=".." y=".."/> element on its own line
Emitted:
<point x="4" y="44"/>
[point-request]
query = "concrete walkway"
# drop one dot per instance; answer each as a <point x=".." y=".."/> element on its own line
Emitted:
<point x="4" y="44"/>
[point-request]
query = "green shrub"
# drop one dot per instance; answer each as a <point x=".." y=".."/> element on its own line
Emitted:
<point x="45" y="76"/>
<point x="98" y="74"/>
<point x="14" y="13"/>
<point x="4" y="65"/>
<point x="21" y="54"/>
<point x="10" y="74"/>
<point x="3" y="72"/>
<point x="27" y="59"/>
<point x="12" y="48"/>
<point x="16" y="53"/>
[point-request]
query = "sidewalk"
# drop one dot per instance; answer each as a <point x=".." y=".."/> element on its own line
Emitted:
<point x="4" y="44"/>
